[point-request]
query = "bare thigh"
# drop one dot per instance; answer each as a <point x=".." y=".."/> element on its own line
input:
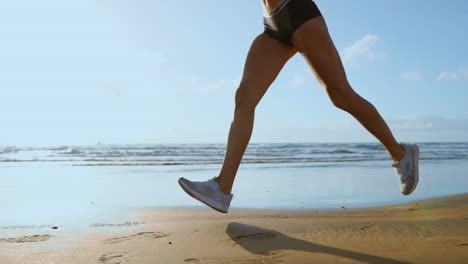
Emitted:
<point x="265" y="60"/>
<point x="314" y="43"/>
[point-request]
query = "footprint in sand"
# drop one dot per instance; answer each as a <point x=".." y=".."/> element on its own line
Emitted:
<point x="153" y="235"/>
<point x="118" y="225"/>
<point x="24" y="226"/>
<point x="26" y="239"/>
<point x="114" y="258"/>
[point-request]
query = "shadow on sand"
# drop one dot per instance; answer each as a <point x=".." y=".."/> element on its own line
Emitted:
<point x="262" y="241"/>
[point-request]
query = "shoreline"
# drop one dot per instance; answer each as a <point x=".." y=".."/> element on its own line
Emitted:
<point x="304" y="209"/>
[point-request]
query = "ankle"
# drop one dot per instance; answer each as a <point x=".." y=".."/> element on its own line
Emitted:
<point x="399" y="154"/>
<point x="224" y="187"/>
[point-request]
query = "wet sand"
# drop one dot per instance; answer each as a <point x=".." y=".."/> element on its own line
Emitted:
<point x="429" y="231"/>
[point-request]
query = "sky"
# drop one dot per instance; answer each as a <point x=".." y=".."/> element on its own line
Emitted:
<point x="152" y="71"/>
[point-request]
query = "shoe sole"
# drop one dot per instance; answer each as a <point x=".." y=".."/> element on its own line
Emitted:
<point x="198" y="196"/>
<point x="416" y="165"/>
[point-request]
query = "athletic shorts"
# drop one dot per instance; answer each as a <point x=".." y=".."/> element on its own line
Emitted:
<point x="282" y="22"/>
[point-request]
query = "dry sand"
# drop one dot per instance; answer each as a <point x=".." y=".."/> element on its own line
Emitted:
<point x="430" y="231"/>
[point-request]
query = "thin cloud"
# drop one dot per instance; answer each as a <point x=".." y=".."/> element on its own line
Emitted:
<point x="411" y="128"/>
<point x="362" y="49"/>
<point x="412" y="76"/>
<point x="424" y="121"/>
<point x="222" y="85"/>
<point x="460" y="75"/>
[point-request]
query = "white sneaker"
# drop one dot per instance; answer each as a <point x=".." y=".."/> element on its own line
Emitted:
<point x="407" y="169"/>
<point x="208" y="192"/>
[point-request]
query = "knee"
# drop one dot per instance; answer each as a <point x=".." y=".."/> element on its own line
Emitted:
<point x="244" y="103"/>
<point x="342" y="96"/>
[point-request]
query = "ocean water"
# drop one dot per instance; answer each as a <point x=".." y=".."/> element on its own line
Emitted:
<point x="49" y="184"/>
<point x="202" y="154"/>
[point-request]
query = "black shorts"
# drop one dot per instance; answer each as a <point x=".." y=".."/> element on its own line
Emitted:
<point x="282" y="22"/>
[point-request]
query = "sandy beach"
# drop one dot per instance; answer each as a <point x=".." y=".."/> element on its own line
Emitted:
<point x="318" y="113"/>
<point x="428" y="231"/>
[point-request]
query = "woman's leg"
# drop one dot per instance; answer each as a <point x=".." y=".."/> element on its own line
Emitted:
<point x="314" y="43"/>
<point x="265" y="60"/>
